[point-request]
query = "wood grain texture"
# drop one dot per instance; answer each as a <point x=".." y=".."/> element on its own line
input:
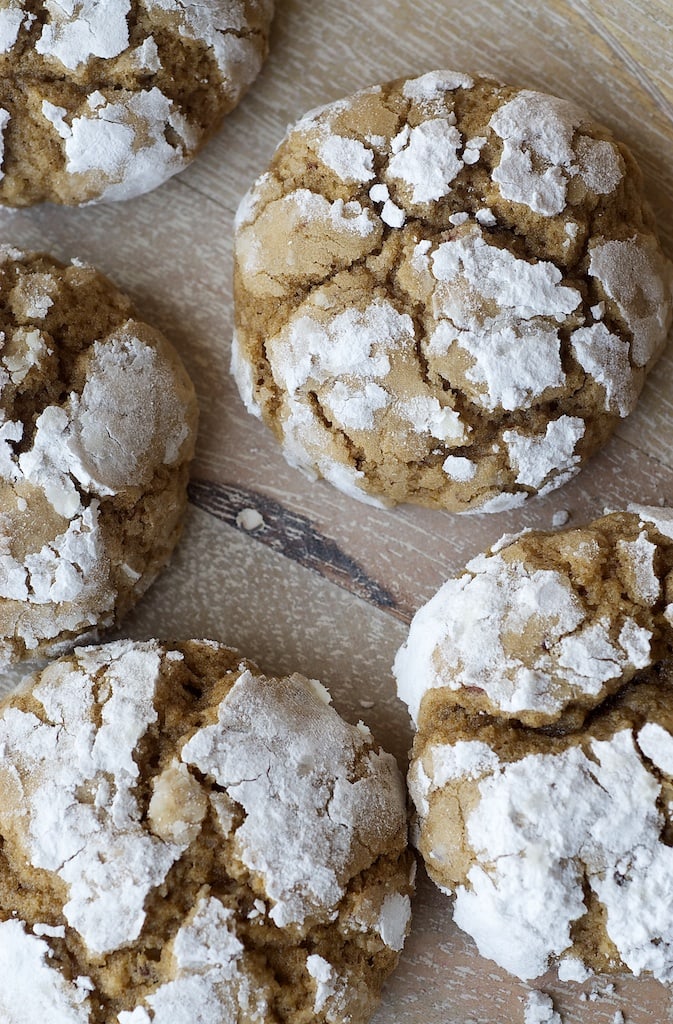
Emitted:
<point x="327" y="585"/>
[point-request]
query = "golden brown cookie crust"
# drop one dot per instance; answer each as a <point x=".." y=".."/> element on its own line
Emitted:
<point x="98" y="424"/>
<point x="106" y="101"/>
<point x="447" y="291"/>
<point x="227" y="844"/>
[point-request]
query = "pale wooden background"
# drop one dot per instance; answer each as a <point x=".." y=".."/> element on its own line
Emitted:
<point x="327" y="585"/>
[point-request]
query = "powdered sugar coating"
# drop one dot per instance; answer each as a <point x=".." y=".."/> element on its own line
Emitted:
<point x="525" y="888"/>
<point x="127" y="116"/>
<point x="630" y="274"/>
<point x="542" y="767"/>
<point x="125" y="144"/>
<point x="534" y="124"/>
<point x="31" y="989"/>
<point x="5" y="118"/>
<point x="539" y="1009"/>
<point x="75" y="32"/>
<point x="81" y="750"/>
<point x="468" y="208"/>
<point x="310" y="777"/>
<point x="124" y="412"/>
<point x="525" y="638"/>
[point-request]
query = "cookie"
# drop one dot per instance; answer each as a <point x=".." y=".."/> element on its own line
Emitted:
<point x="185" y="839"/>
<point x="448" y="291"/>
<point x="105" y="101"/>
<point x="542" y="769"/>
<point x="97" y="428"/>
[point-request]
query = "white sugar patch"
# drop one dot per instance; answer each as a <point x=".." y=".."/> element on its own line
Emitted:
<point x="633" y="274"/>
<point x="350" y="160"/>
<point x="107" y="860"/>
<point x="12" y="19"/>
<point x="534" y="850"/>
<point x="434" y="85"/>
<point x="76" y="30"/>
<point x="660" y="518"/>
<point x="225" y="30"/>
<point x="460" y="469"/>
<point x="425" y="159"/>
<point x="460" y="639"/>
<point x="280" y="751"/>
<point x="125" y="144"/>
<point x="657" y="745"/>
<point x="4" y="121"/>
<point x="605" y="357"/>
<point x="533" y="123"/>
<point x="32" y="990"/>
<point x="639" y="557"/>
<point x="537" y="456"/>
<point x="539" y="1009"/>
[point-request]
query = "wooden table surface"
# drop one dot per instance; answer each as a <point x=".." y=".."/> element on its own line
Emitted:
<point x="327" y="586"/>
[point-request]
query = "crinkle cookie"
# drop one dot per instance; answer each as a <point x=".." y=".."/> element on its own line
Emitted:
<point x="97" y="428"/>
<point x="542" y="769"/>
<point x="447" y="292"/>
<point x="108" y="100"/>
<point x="186" y="840"/>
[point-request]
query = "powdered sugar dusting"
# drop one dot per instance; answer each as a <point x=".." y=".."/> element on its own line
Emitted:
<point x="111" y="864"/>
<point x="472" y="277"/>
<point x="4" y="121"/>
<point x="212" y="981"/>
<point x="77" y="30"/>
<point x="639" y="557"/>
<point x="224" y="30"/>
<point x="284" y="751"/>
<point x="426" y="159"/>
<point x="12" y="17"/>
<point x="463" y="626"/>
<point x="348" y="158"/>
<point x="107" y="142"/>
<point x="539" y="1009"/>
<point x="394" y="920"/>
<point x="462" y="638"/>
<point x="534" y="123"/>
<point x="660" y="518"/>
<point x="348" y="358"/>
<point x="535" y="458"/>
<point x="433" y="86"/>
<point x="31" y="989"/>
<point x="605" y="357"/>
<point x="634" y="276"/>
<point x="657" y="745"/>
<point x="459" y="468"/>
<point x="533" y="852"/>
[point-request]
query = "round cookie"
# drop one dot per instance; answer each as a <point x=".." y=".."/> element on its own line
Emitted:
<point x="542" y="769"/>
<point x="448" y="291"/>
<point x="105" y="101"/>
<point x="184" y="839"/>
<point x="97" y="429"/>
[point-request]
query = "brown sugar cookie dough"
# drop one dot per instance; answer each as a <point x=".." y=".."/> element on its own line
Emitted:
<point x="97" y="428"/>
<point x="108" y="100"/>
<point x="447" y="292"/>
<point x="185" y="839"/>
<point x="542" y="769"/>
